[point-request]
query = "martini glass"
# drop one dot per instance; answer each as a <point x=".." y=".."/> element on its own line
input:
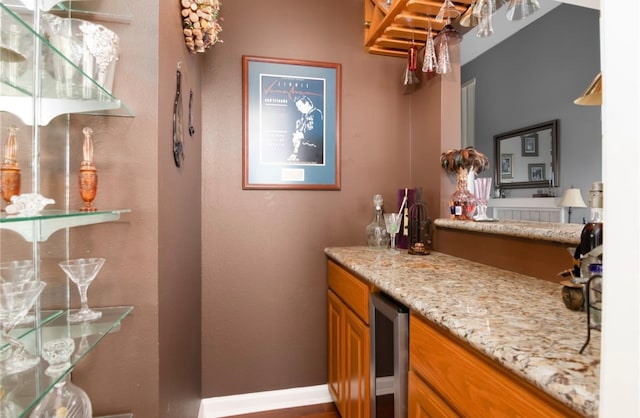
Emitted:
<point x="392" y="223"/>
<point x="17" y="271"/>
<point x="15" y="301"/>
<point x="82" y="271"/>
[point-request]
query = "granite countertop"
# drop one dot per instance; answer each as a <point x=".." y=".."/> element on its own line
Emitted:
<point x="555" y="232"/>
<point x="519" y="321"/>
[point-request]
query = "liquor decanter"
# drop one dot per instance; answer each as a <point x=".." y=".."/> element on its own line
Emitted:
<point x="377" y="236"/>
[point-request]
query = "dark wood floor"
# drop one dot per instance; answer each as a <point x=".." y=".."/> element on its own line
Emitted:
<point x="327" y="410"/>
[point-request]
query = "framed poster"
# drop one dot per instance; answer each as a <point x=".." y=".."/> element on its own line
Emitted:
<point x="530" y="145"/>
<point x="291" y="124"/>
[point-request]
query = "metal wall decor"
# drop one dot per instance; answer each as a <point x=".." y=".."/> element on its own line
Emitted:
<point x="178" y="149"/>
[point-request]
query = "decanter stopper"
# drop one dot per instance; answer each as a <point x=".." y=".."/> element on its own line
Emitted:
<point x="88" y="178"/>
<point x="9" y="170"/>
<point x="57" y="353"/>
<point x="87" y="149"/>
<point x="11" y="148"/>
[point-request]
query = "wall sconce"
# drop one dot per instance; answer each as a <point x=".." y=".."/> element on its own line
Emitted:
<point x="593" y="95"/>
<point x="572" y="198"/>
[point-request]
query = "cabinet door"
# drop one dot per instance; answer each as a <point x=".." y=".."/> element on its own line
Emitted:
<point x="424" y="402"/>
<point x="356" y="368"/>
<point x="472" y="383"/>
<point x="335" y="348"/>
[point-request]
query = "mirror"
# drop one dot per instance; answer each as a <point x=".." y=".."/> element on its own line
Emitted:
<point x="527" y="157"/>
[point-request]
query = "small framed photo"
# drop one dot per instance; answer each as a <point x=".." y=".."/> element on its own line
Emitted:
<point x="530" y="145"/>
<point x="291" y="124"/>
<point x="506" y="166"/>
<point x="536" y="172"/>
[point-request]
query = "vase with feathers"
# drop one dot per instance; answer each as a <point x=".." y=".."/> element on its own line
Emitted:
<point x="461" y="162"/>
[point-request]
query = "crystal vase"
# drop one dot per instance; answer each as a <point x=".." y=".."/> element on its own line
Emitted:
<point x="463" y="202"/>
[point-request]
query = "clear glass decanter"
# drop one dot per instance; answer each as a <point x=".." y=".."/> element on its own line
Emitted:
<point x="377" y="235"/>
<point x="65" y="400"/>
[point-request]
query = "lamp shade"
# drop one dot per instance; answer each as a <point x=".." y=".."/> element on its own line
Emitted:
<point x="573" y="198"/>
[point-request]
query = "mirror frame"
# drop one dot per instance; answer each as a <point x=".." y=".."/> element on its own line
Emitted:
<point x="555" y="163"/>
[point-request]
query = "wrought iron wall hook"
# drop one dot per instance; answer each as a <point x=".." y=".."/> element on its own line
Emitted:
<point x="178" y="151"/>
<point x="192" y="130"/>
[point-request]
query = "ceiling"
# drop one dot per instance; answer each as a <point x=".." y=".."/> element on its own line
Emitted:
<point x="392" y="27"/>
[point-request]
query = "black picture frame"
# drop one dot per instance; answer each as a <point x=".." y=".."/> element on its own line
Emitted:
<point x="291" y="124"/>
<point x="536" y="172"/>
<point x="506" y="166"/>
<point x="530" y="145"/>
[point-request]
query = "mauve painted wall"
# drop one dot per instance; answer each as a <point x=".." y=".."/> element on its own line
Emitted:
<point x="264" y="270"/>
<point x="151" y="366"/>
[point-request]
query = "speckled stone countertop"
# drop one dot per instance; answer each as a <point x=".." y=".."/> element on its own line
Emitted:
<point x="562" y="233"/>
<point x="519" y="321"/>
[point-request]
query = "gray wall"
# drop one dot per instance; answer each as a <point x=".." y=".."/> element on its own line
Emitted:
<point x="533" y="77"/>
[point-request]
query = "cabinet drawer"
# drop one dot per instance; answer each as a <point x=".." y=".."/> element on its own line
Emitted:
<point x="353" y="291"/>
<point x="470" y="382"/>
<point x="424" y="402"/>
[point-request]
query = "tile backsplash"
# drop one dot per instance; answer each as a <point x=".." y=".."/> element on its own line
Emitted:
<point x="528" y="214"/>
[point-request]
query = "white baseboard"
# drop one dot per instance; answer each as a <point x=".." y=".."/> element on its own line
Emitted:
<point x="247" y="403"/>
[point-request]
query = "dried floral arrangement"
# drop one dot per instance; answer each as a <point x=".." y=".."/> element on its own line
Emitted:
<point x="200" y="24"/>
<point x="465" y="159"/>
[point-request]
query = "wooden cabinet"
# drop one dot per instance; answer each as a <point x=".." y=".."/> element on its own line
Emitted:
<point x="348" y="342"/>
<point x="335" y="337"/>
<point x="447" y="373"/>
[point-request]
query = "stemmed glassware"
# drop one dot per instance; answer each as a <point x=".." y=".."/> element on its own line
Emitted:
<point x="392" y="223"/>
<point x="483" y="190"/>
<point x="430" y="62"/>
<point x="16" y="299"/>
<point x="82" y="271"/>
<point x="484" y="10"/>
<point x="17" y="271"/>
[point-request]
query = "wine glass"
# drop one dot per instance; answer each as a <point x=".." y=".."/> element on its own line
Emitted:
<point x="483" y="190"/>
<point x="392" y="224"/>
<point x="82" y="271"/>
<point x="16" y="299"/>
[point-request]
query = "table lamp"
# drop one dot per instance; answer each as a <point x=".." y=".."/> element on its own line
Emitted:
<point x="572" y="198"/>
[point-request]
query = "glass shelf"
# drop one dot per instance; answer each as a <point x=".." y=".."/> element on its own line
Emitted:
<point x="111" y="10"/>
<point x="21" y="331"/>
<point x="26" y="389"/>
<point x="37" y="100"/>
<point x="41" y="226"/>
